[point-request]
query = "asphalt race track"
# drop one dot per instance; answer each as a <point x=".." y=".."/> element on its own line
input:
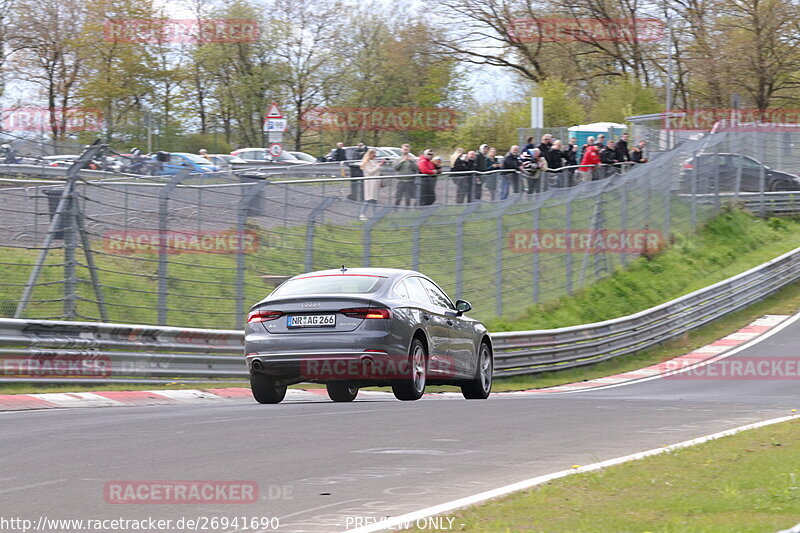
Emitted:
<point x="319" y="466"/>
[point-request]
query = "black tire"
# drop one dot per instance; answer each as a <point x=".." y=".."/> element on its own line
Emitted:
<point x="780" y="185"/>
<point x="480" y="387"/>
<point x="342" y="391"/>
<point x="265" y="390"/>
<point x="413" y="387"/>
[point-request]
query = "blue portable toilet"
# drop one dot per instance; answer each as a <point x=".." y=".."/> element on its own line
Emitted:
<point x="611" y="130"/>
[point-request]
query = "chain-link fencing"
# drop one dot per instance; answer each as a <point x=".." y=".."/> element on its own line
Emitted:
<point x="197" y="251"/>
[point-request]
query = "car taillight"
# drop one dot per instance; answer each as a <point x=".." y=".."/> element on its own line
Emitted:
<point x="263" y="316"/>
<point x="367" y="312"/>
<point x="688" y="166"/>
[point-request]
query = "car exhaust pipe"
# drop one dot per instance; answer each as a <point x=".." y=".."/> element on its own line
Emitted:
<point x="256" y="364"/>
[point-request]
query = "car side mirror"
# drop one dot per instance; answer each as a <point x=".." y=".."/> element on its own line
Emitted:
<point x="462" y="306"/>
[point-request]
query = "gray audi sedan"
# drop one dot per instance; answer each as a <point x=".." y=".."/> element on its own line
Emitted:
<point x="351" y="328"/>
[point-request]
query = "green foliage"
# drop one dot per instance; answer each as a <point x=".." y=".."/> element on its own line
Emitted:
<point x="495" y="123"/>
<point x="214" y="143"/>
<point x="562" y="107"/>
<point x="624" y="97"/>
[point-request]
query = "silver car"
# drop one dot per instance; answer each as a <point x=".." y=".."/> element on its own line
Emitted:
<point x="351" y="328"/>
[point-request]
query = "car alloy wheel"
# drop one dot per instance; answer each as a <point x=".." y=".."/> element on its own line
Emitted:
<point x="413" y="387"/>
<point x="480" y="386"/>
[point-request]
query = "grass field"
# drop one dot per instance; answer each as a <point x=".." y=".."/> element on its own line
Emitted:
<point x="744" y="483"/>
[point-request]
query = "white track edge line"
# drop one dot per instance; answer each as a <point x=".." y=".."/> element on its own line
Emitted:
<point x="736" y="349"/>
<point x="409" y="519"/>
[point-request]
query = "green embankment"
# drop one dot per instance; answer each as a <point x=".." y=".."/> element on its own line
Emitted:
<point x="727" y="245"/>
<point x="744" y="483"/>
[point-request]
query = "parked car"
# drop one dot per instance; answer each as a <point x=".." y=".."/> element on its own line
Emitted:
<point x="392" y="152"/>
<point x="60" y="160"/>
<point x="225" y="161"/>
<point x="181" y="160"/>
<point x="351" y="328"/>
<point x="705" y="168"/>
<point x="261" y="155"/>
<point x="304" y="157"/>
<point x="351" y="153"/>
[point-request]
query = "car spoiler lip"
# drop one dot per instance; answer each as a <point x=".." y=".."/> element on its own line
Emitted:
<point x="369" y="298"/>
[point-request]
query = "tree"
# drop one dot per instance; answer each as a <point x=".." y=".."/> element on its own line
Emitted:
<point x="308" y="38"/>
<point x="118" y="75"/>
<point x="49" y="55"/>
<point x="6" y="7"/>
<point x="763" y="48"/>
<point x="562" y="107"/>
<point x="624" y="97"/>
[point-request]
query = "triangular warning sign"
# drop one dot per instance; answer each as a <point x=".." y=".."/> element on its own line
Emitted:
<point x="274" y="111"/>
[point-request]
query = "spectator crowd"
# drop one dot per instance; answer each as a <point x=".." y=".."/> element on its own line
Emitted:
<point x="485" y="174"/>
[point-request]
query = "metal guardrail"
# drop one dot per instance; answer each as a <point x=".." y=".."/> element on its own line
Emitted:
<point x="763" y="203"/>
<point x="154" y="354"/>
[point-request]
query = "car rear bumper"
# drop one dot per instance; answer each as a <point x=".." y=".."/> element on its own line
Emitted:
<point x="359" y="366"/>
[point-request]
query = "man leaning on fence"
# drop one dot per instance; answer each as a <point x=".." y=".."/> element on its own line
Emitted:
<point x="510" y="179"/>
<point x="427" y="182"/>
<point x="405" y="165"/>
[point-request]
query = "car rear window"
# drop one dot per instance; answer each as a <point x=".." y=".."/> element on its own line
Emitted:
<point x="331" y="284"/>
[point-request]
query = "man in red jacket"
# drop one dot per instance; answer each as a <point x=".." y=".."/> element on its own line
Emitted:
<point x="427" y="185"/>
<point x="590" y="161"/>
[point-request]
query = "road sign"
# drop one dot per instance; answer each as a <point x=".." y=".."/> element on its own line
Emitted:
<point x="274" y="111"/>
<point x="275" y="136"/>
<point x="275" y="150"/>
<point x="276" y="124"/>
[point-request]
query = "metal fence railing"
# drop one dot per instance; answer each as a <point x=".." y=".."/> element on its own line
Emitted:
<point x="198" y="250"/>
<point x="38" y="351"/>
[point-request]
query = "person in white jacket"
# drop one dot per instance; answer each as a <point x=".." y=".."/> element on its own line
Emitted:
<point x="371" y="167"/>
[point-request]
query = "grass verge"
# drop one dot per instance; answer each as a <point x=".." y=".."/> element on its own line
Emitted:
<point x="744" y="483"/>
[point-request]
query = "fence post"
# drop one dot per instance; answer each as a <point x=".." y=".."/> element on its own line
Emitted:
<point x="598" y="224"/>
<point x="72" y="176"/>
<point x="716" y="178"/>
<point x="163" y="217"/>
<point x="421" y="219"/>
<point x="70" y="243"/>
<point x="537" y="211"/>
<point x="312" y="219"/>
<point x="623" y="217"/>
<point x="762" y="210"/>
<point x="460" y="245"/>
<point x="693" y="190"/>
<point x="245" y="205"/>
<point x="367" y="236"/>
<point x="499" y="242"/>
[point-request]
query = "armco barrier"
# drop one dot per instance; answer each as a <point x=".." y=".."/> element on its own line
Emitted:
<point x="155" y="354"/>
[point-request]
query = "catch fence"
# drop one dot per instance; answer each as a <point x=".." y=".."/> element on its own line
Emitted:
<point x="198" y="251"/>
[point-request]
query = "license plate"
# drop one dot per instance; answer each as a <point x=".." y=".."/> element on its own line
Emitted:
<point x="311" y="321"/>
